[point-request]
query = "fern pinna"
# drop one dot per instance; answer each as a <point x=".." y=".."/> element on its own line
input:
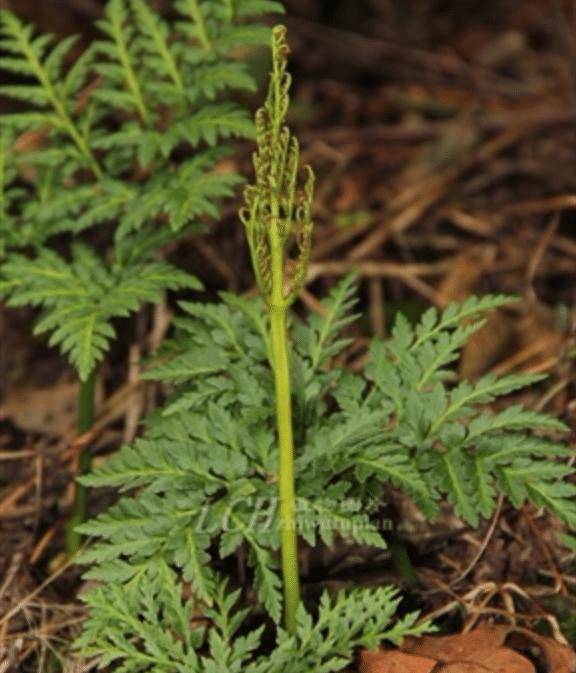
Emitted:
<point x="129" y="138"/>
<point x="201" y="486"/>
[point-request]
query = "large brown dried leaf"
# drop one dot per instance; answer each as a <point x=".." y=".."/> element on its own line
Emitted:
<point x="487" y="346"/>
<point x="465" y="272"/>
<point x="487" y="649"/>
<point x="393" y="661"/>
<point x="500" y="660"/>
<point x="557" y="657"/>
<point x="45" y="410"/>
<point x="462" y="646"/>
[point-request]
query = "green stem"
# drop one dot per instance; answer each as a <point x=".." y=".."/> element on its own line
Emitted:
<point x="402" y="563"/>
<point x="286" y="443"/>
<point x="279" y="341"/>
<point x="2" y="191"/>
<point x="85" y="422"/>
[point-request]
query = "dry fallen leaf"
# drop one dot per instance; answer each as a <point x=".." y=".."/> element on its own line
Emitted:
<point x="465" y="272"/>
<point x="503" y="659"/>
<point x="558" y="658"/>
<point x="392" y="661"/>
<point x="464" y="667"/>
<point x="46" y="410"/>
<point x="462" y="646"/>
<point x="487" y="649"/>
<point x="487" y="346"/>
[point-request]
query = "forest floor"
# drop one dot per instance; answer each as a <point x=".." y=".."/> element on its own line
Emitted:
<point x="443" y="135"/>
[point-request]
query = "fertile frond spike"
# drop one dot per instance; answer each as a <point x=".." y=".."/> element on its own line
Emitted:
<point x="278" y="98"/>
<point x="276" y="208"/>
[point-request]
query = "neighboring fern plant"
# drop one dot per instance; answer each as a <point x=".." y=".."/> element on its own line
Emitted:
<point x="203" y="483"/>
<point x="128" y="137"/>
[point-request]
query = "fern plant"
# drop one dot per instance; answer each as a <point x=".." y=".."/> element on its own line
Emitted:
<point x="278" y="213"/>
<point x="128" y="137"/>
<point x="264" y="441"/>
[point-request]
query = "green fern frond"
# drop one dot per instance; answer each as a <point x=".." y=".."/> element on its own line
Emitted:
<point x="432" y="324"/>
<point x="146" y="625"/>
<point x="80" y="298"/>
<point x="325" y="518"/>
<point x="244" y="8"/>
<point x="156" y="42"/>
<point x="219" y="120"/>
<point x="198" y="12"/>
<point x="183" y="197"/>
<point x="150" y="605"/>
<point x="121" y="69"/>
<point x="514" y="418"/>
<point x="505" y="447"/>
<point x="422" y="353"/>
<point x="463" y="398"/>
<point x="454" y="477"/>
<point x="392" y="464"/>
<point x="267" y="578"/>
<point x="187" y="366"/>
<point x="544" y="484"/>
<point x="344" y="623"/>
<point x="328" y="325"/>
<point x="191" y="554"/>
<point x="36" y="58"/>
<point x="212" y="78"/>
<point x="232" y="37"/>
